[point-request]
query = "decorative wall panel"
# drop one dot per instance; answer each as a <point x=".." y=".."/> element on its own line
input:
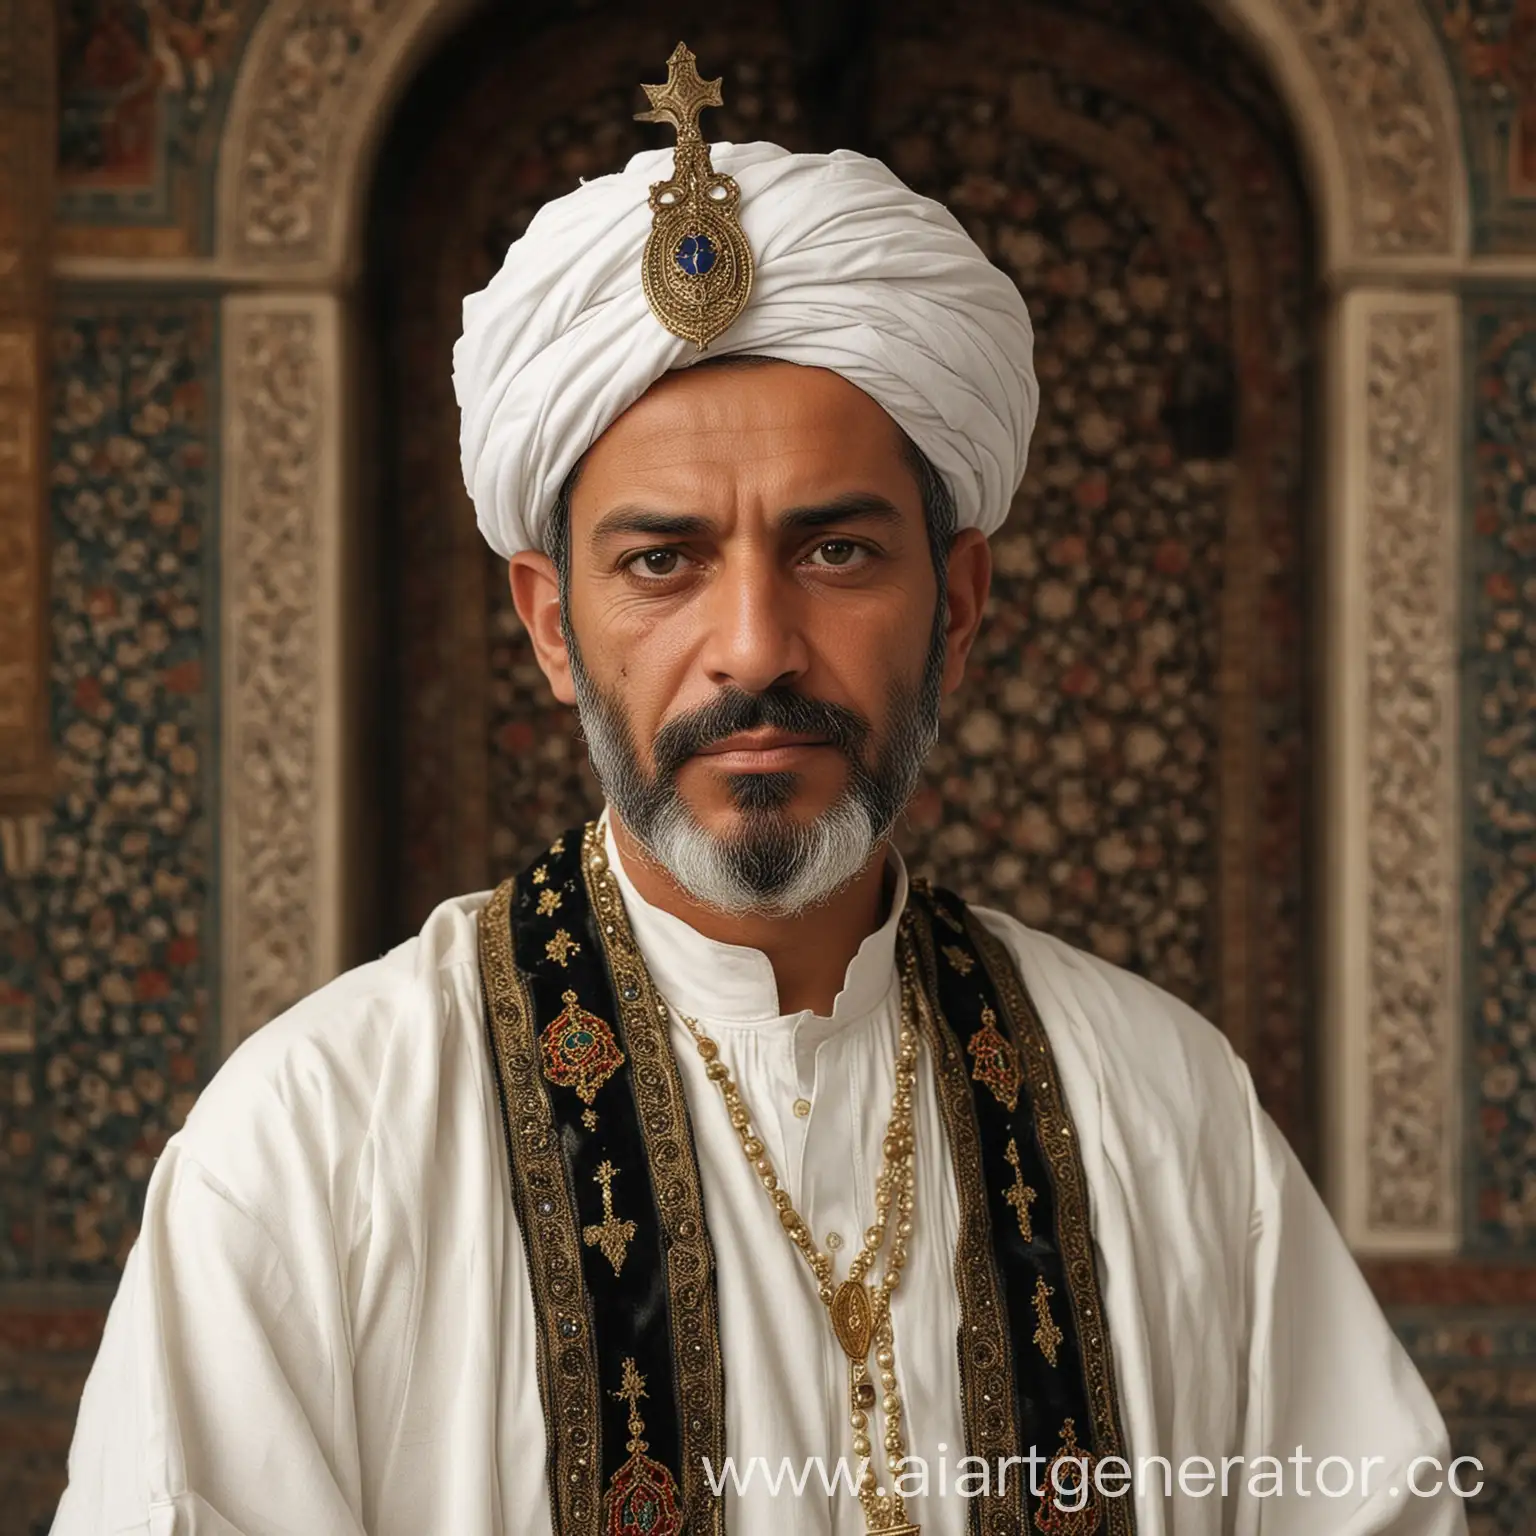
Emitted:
<point x="1148" y="598"/>
<point x="317" y="73"/>
<point x="109" y="945"/>
<point x="281" y="824"/>
<point x="1389" y="844"/>
<point x="1481" y="1367"/>
<point x="1499" y="772"/>
<point x="1378" y="64"/>
<point x="1408" y="1115"/>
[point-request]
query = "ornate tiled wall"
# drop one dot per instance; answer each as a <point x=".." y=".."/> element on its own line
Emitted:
<point x="144" y="89"/>
<point x="105" y="954"/>
<point x="1499" y="770"/>
<point x="107" y="946"/>
<point x="1481" y="1367"/>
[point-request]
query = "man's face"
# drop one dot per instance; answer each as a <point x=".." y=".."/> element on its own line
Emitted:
<point x="751" y="614"/>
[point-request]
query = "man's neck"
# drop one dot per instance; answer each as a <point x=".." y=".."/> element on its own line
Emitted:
<point x="809" y="952"/>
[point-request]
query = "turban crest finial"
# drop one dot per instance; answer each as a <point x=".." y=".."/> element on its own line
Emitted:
<point x="697" y="267"/>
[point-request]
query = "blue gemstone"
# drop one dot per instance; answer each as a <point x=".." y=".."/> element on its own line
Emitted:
<point x="696" y="255"/>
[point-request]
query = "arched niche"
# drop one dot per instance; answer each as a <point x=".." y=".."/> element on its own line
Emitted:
<point x="1373" y="109"/>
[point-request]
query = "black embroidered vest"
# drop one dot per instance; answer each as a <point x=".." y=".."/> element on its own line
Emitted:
<point x="606" y="1186"/>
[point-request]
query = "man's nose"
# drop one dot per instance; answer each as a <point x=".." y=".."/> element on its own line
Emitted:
<point x="756" y="637"/>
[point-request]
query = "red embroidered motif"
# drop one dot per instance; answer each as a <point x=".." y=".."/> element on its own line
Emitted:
<point x="997" y="1063"/>
<point x="579" y="1050"/>
<point x="642" y="1498"/>
<point x="1069" y="1505"/>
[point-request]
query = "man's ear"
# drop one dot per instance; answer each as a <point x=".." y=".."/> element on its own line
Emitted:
<point x="969" y="582"/>
<point x="535" y="587"/>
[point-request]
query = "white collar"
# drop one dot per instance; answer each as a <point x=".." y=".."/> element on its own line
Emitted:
<point x="731" y="984"/>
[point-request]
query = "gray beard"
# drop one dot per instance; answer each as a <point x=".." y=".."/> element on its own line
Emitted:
<point x="774" y="865"/>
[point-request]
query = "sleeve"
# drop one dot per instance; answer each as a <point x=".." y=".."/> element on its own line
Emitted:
<point x="1341" y="1436"/>
<point x="219" y="1403"/>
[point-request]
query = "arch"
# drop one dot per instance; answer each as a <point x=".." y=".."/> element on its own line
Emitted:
<point x="1374" y="108"/>
<point x="1367" y="85"/>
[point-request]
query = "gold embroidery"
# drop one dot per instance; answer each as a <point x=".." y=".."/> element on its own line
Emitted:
<point x="642" y="1495"/>
<point x="611" y="1235"/>
<point x="561" y="948"/>
<point x="986" y="1349"/>
<point x="997" y="1063"/>
<point x="1069" y="1505"/>
<point x="549" y="902"/>
<point x="1018" y="1194"/>
<point x="679" y="1199"/>
<point x="958" y="958"/>
<point x="540" y="875"/>
<point x="557" y="847"/>
<point x="1072" y="1217"/>
<point x="579" y="1050"/>
<point x="548" y="1224"/>
<point x="1047" y="1335"/>
<point x="589" y="1119"/>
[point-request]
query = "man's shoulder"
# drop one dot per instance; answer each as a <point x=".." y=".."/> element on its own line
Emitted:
<point x="1140" y="1043"/>
<point x="313" y="1083"/>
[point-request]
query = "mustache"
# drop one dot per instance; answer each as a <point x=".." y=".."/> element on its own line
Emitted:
<point x="733" y="710"/>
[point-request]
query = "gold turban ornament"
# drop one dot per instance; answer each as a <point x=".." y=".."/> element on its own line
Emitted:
<point x="697" y="267"/>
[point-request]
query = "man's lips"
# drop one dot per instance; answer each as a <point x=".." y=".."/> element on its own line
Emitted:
<point x="760" y="751"/>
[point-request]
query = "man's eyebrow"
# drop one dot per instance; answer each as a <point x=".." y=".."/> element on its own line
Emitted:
<point x="852" y="506"/>
<point x="647" y="520"/>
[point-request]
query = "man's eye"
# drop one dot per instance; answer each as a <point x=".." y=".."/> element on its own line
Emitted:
<point x="657" y="563"/>
<point x="838" y="552"/>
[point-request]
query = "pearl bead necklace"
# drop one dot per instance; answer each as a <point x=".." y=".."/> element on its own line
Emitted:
<point x="860" y="1314"/>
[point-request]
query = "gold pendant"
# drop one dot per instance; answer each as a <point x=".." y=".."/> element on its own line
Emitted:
<point x="886" y="1515"/>
<point x="853" y="1319"/>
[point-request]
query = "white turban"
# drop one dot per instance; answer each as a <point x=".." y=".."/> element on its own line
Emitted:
<point x="855" y="273"/>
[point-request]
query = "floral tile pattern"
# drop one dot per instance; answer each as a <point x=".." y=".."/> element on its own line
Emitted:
<point x="112" y="941"/>
<point x="1481" y="1367"/>
<point x="1499" y="774"/>
<point x="1082" y="780"/>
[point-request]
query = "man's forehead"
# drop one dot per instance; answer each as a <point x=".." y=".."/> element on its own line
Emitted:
<point x="734" y="416"/>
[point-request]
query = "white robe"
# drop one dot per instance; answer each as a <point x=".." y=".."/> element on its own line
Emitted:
<point x="326" y="1327"/>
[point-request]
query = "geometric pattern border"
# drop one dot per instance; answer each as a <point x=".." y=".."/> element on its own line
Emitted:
<point x="1391" y="846"/>
<point x="282" y="687"/>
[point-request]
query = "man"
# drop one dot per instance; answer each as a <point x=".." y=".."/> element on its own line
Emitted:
<point x="710" y="1175"/>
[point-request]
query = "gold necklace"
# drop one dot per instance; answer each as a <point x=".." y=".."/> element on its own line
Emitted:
<point x="860" y="1314"/>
